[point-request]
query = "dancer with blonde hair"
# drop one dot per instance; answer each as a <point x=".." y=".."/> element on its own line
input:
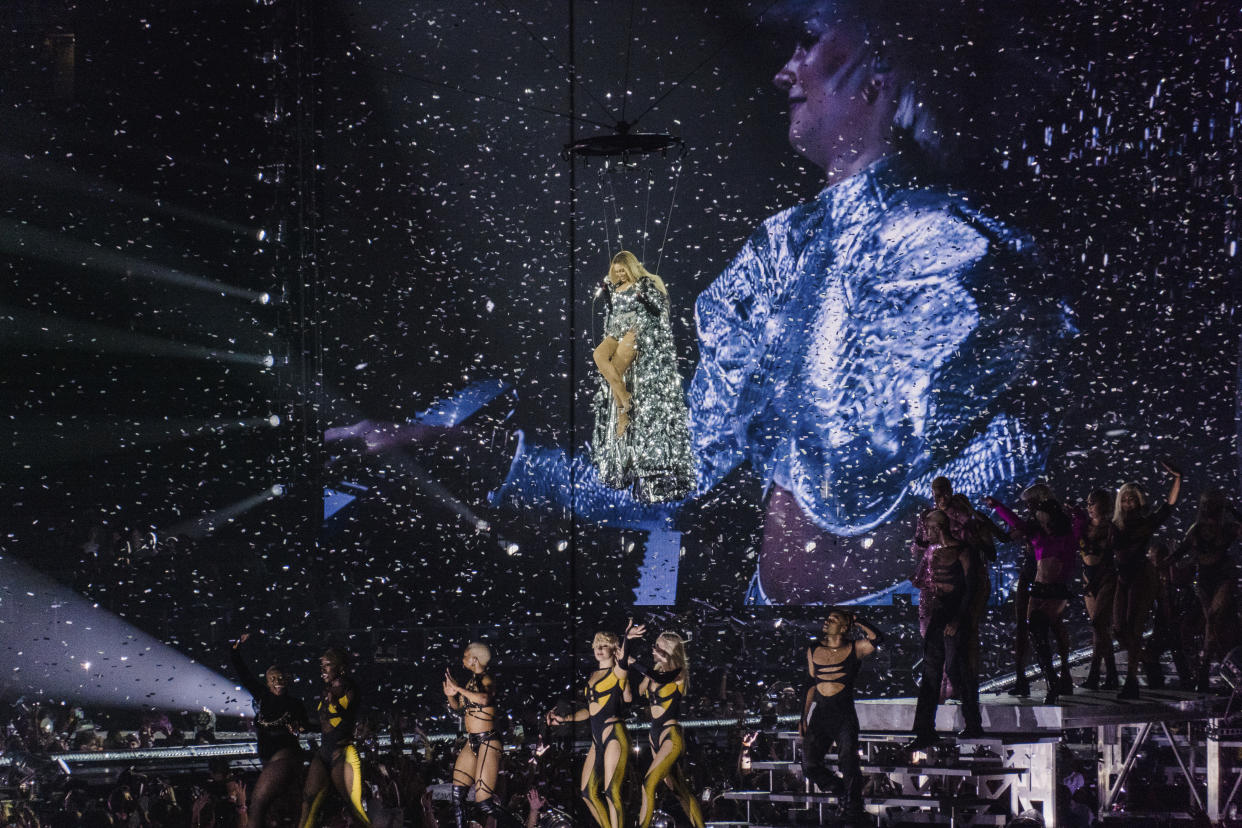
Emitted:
<point x="478" y="761"/>
<point x="603" y="771"/>
<point x="664" y="685"/>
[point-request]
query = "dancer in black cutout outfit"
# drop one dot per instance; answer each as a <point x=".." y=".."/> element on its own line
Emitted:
<point x="607" y="691"/>
<point x="478" y="761"/>
<point x="336" y="764"/>
<point x="829" y="716"/>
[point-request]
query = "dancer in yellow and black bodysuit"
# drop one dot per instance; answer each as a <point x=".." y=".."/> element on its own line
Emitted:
<point x="604" y="768"/>
<point x="478" y="761"/>
<point x="336" y="761"/>
<point x="664" y="685"/>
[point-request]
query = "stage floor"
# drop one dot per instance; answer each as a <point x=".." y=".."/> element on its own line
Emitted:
<point x="1003" y="713"/>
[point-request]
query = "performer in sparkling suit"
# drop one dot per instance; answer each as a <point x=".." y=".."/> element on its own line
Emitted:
<point x="860" y="344"/>
<point x="641" y="438"/>
<point x="889" y="330"/>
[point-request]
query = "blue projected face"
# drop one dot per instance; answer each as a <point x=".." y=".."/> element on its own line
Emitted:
<point x="839" y="346"/>
<point x="831" y="121"/>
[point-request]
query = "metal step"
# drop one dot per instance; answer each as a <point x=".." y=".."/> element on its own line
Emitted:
<point x="920" y="817"/>
<point x="980" y="770"/>
<point x="942" y="801"/>
<point x="888" y="737"/>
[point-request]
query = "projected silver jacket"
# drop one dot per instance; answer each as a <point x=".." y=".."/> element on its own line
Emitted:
<point x="859" y="345"/>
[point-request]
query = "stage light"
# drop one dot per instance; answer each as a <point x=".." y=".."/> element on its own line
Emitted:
<point x="269" y="361"/>
<point x="49" y="176"/>
<point x="44" y="441"/>
<point x="274" y="420"/>
<point x="44" y="651"/>
<point x="265" y="298"/>
<point x="261" y="235"/>
<point x="204" y="525"/>
<point x="31" y="242"/>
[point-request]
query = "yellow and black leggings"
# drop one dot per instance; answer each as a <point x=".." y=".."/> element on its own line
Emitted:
<point x="662" y="736"/>
<point x="602" y="736"/>
<point x="346" y="754"/>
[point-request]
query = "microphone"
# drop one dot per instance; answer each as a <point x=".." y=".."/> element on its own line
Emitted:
<point x="599" y="291"/>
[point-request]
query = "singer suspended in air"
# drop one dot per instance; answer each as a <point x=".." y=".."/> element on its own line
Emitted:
<point x="641" y="436"/>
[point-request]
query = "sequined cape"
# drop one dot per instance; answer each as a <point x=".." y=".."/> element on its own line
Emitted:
<point x="653" y="456"/>
<point x="859" y="344"/>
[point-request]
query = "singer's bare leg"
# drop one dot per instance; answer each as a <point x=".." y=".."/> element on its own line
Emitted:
<point x="622" y="359"/>
<point x="613" y="359"/>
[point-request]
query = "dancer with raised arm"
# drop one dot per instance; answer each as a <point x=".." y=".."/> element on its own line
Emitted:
<point x="829" y="716"/>
<point x="279" y="717"/>
<point x="664" y="685"/>
<point x="478" y="761"/>
<point x="1053" y="534"/>
<point x="603" y="771"/>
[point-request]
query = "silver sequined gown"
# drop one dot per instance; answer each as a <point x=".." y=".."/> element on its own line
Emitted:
<point x="859" y="344"/>
<point x="653" y="456"/>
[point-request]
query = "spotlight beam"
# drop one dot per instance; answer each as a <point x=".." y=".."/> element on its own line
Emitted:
<point x="34" y="243"/>
<point x="46" y="176"/>
<point x="206" y="524"/>
<point x="56" y="645"/>
<point x="54" y="332"/>
<point x="44" y="442"/>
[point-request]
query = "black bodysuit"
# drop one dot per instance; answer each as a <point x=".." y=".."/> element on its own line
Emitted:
<point x="277" y="719"/>
<point x="844" y="673"/>
<point x="476" y="740"/>
<point x="609" y="691"/>
<point x="665" y="694"/>
<point x="834" y="720"/>
<point x="337" y="718"/>
<point x="1097" y="575"/>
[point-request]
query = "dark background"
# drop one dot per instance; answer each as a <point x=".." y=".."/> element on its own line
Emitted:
<point x="423" y="232"/>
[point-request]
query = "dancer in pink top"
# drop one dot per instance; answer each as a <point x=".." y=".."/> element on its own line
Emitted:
<point x="1053" y="535"/>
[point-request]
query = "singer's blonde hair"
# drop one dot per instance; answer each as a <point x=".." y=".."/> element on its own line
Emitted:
<point x="636" y="270"/>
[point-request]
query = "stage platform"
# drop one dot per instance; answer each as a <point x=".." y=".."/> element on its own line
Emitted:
<point x="1016" y="766"/>
<point x="1030" y="716"/>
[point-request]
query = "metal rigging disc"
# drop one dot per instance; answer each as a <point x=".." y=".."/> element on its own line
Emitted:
<point x="623" y="144"/>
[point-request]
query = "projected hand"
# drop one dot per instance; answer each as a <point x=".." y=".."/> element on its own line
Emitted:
<point x="241" y="641"/>
<point x="381" y="436"/>
<point x="1170" y="469"/>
